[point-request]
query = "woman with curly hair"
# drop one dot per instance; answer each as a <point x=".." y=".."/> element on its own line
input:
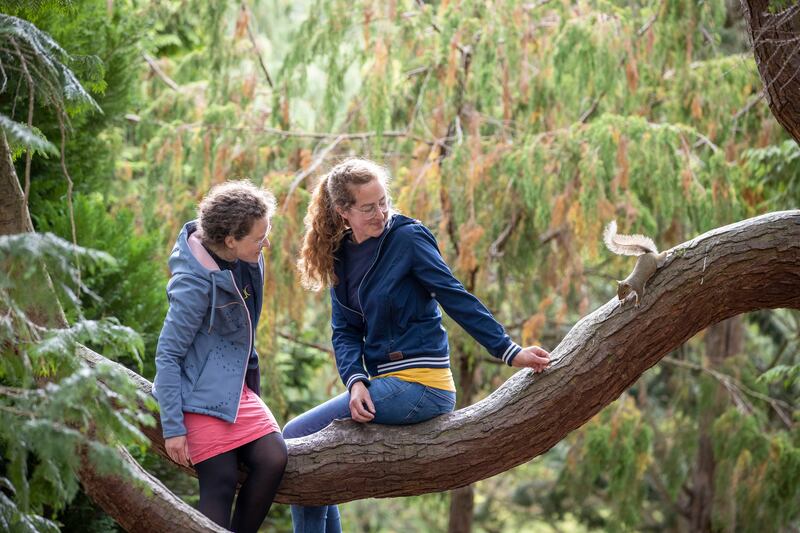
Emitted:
<point x="387" y="280"/>
<point x="207" y="379"/>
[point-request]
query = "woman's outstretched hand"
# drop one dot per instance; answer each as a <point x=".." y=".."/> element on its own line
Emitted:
<point x="532" y="357"/>
<point x="361" y="407"/>
<point x="178" y="450"/>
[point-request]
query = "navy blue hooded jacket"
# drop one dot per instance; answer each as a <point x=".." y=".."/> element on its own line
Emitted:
<point x="401" y="325"/>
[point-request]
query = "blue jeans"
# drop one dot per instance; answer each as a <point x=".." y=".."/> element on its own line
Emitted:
<point x="396" y="402"/>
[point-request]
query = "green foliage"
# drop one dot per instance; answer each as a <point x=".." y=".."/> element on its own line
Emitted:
<point x="756" y="475"/>
<point x="56" y="411"/>
<point x="774" y="175"/>
<point x="539" y="121"/>
<point x="611" y="459"/>
<point x="788" y="375"/>
<point x="30" y="8"/>
<point x="133" y="289"/>
<point x="34" y="50"/>
<point x="20" y="135"/>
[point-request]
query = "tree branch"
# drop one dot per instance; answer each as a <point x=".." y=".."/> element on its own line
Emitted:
<point x="169" y="82"/>
<point x="31" y="96"/>
<point x="754" y="264"/>
<point x="256" y="51"/>
<point x="736" y="388"/>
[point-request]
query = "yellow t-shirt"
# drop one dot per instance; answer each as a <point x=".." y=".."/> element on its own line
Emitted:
<point x="438" y="378"/>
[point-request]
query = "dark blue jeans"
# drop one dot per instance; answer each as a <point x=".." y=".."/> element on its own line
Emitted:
<point x="396" y="402"/>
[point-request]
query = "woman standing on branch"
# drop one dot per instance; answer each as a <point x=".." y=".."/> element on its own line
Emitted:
<point x="207" y="379"/>
<point x="386" y="279"/>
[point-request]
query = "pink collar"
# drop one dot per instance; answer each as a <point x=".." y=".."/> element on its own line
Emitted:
<point x="200" y="253"/>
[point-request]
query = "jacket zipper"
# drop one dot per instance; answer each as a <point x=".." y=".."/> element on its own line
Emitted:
<point x="249" y="346"/>
<point x="358" y="291"/>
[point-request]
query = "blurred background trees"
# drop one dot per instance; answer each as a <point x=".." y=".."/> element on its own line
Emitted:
<point x="516" y="130"/>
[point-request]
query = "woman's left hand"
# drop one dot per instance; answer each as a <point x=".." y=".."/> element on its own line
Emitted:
<point x="533" y="357"/>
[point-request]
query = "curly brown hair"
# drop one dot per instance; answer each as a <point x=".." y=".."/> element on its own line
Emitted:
<point x="231" y="208"/>
<point x="324" y="226"/>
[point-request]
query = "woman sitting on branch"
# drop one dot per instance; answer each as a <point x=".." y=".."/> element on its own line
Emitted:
<point x="387" y="280"/>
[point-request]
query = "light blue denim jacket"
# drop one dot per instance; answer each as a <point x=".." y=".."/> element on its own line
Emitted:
<point x="206" y="344"/>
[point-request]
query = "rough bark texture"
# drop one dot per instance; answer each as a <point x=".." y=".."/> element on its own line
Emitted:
<point x="462" y="500"/>
<point x="742" y="267"/>
<point x="462" y="508"/>
<point x="145" y="504"/>
<point x="754" y="264"/>
<point x="777" y="54"/>
<point x="14" y="216"/>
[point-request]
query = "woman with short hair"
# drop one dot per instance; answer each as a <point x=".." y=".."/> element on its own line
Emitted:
<point x="207" y="379"/>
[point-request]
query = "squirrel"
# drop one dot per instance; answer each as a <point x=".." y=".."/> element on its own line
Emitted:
<point x="649" y="260"/>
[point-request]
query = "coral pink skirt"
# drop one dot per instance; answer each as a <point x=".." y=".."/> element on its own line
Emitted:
<point x="208" y="436"/>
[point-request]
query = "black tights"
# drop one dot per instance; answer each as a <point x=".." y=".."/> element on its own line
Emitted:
<point x="265" y="459"/>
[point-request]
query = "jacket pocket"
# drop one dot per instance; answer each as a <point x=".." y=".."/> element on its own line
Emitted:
<point x="401" y="312"/>
<point x="228" y="318"/>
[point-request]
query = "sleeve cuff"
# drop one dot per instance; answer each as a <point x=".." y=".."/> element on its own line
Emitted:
<point x="355" y="378"/>
<point x="177" y="432"/>
<point x="510" y="353"/>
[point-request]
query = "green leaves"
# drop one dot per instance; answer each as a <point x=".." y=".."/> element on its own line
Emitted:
<point x="54" y="81"/>
<point x="56" y="411"/>
<point x="20" y="135"/>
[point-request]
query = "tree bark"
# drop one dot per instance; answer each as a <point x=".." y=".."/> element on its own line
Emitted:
<point x="14" y="217"/>
<point x="750" y="265"/>
<point x="462" y="508"/>
<point x="723" y="340"/>
<point x="462" y="500"/>
<point x="777" y="54"/>
<point x="143" y="504"/>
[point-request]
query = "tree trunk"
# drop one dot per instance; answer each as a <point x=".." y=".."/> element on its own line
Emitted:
<point x="143" y="504"/>
<point x="462" y="502"/>
<point x="14" y="217"/>
<point x="777" y="53"/>
<point x="754" y="264"/>
<point x="462" y="505"/>
<point x="723" y="340"/>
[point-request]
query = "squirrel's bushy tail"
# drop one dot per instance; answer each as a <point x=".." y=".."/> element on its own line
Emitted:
<point x="627" y="244"/>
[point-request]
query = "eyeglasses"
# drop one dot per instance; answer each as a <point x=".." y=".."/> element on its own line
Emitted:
<point x="265" y="240"/>
<point x="371" y="210"/>
<point x="262" y="242"/>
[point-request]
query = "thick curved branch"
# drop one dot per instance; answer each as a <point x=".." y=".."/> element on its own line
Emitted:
<point x="143" y="504"/>
<point x="754" y="264"/>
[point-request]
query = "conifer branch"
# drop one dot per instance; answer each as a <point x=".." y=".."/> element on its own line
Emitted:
<point x="303" y="174"/>
<point x="749" y="105"/>
<point x="308" y="344"/>
<point x="4" y="75"/>
<point x="256" y="51"/>
<point x="736" y="388"/>
<point x="355" y="136"/>
<point x="593" y="107"/>
<point x="496" y="248"/>
<point x="169" y="82"/>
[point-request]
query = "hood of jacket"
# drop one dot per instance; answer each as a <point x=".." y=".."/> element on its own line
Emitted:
<point x="190" y="257"/>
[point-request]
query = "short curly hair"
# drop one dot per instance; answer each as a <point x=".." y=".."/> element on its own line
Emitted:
<point x="231" y="208"/>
